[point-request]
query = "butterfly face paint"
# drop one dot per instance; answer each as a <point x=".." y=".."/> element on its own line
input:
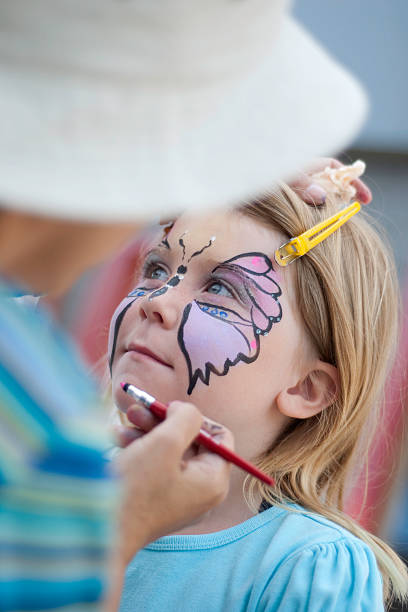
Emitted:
<point x="138" y="292"/>
<point x="212" y="338"/>
<point x="182" y="269"/>
<point x="117" y="319"/>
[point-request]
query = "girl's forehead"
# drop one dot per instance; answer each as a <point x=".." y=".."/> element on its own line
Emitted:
<point x="230" y="232"/>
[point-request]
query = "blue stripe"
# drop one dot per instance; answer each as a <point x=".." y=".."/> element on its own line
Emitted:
<point x="33" y="410"/>
<point x="66" y="457"/>
<point x="63" y="456"/>
<point x="45" y="360"/>
<point x="52" y="518"/>
<point x="45" y="594"/>
<point x="43" y="551"/>
<point x="40" y="370"/>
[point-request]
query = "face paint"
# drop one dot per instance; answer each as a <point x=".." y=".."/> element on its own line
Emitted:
<point x="164" y="242"/>
<point x="182" y="269"/>
<point x="127" y="302"/>
<point x="117" y="319"/>
<point x="214" y="339"/>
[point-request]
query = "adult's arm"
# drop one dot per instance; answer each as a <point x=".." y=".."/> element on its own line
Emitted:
<point x="166" y="484"/>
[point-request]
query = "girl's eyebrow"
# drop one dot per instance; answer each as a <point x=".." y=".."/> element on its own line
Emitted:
<point x="165" y="243"/>
<point x="222" y="265"/>
<point x="144" y="256"/>
<point x="242" y="282"/>
<point x="236" y="271"/>
<point x="156" y="250"/>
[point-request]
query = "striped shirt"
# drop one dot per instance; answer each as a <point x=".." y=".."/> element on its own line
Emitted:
<point x="56" y="499"/>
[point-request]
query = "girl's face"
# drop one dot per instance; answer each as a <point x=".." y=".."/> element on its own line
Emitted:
<point x="211" y="321"/>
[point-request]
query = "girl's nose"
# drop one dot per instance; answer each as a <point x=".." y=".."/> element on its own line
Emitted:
<point x="164" y="309"/>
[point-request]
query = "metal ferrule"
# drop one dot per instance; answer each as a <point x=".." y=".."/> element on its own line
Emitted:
<point x="141" y="396"/>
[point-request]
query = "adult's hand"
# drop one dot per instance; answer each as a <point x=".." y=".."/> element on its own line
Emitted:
<point x="166" y="482"/>
<point x="312" y="193"/>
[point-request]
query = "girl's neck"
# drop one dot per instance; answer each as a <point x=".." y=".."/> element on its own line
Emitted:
<point x="232" y="511"/>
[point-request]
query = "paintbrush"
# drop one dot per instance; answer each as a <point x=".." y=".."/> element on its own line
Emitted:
<point x="203" y="438"/>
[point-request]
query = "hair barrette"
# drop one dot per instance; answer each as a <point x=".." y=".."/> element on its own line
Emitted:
<point x="300" y="245"/>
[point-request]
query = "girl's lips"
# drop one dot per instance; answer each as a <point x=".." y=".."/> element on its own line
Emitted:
<point x="143" y="350"/>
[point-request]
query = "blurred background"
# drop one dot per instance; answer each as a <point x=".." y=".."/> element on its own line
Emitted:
<point x="370" y="38"/>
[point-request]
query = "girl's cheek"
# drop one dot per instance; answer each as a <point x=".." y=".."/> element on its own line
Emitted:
<point x="118" y="318"/>
<point x="116" y="323"/>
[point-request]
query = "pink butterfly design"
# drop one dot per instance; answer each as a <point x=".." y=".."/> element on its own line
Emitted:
<point x="214" y="339"/>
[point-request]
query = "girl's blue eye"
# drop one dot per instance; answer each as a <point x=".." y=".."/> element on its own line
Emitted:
<point x="218" y="288"/>
<point x="156" y="272"/>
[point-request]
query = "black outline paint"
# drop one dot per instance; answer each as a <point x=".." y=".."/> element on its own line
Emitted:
<point x="181" y="270"/>
<point x="166" y="230"/>
<point x="183" y="246"/>
<point x="119" y="320"/>
<point x="203" y="374"/>
<point x="212" y="239"/>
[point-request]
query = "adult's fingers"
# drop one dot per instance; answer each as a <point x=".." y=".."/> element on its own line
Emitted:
<point x="207" y="465"/>
<point x="173" y="436"/>
<point x="211" y="426"/>
<point x="222" y="435"/>
<point x="141" y="417"/>
<point x="308" y="191"/>
<point x="302" y="183"/>
<point x="315" y="194"/>
<point x="182" y="425"/>
<point x="216" y="430"/>
<point x="363" y="193"/>
<point x="123" y="436"/>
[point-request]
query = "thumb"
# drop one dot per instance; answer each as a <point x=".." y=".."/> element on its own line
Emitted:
<point x="183" y="422"/>
<point x="177" y="432"/>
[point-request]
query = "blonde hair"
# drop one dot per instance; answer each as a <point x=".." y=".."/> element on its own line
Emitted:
<point x="347" y="293"/>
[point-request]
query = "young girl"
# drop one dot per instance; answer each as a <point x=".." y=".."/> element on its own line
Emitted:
<point x="293" y="360"/>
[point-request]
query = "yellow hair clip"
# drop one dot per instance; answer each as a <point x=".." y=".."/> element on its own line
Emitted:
<point x="296" y="247"/>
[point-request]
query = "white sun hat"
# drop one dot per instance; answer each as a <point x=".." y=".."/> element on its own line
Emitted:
<point x="116" y="110"/>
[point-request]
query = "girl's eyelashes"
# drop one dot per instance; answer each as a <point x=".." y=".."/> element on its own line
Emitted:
<point x="235" y="284"/>
<point x="154" y="269"/>
<point x="236" y="288"/>
<point x="223" y="283"/>
<point x="157" y="272"/>
<point x="217" y="287"/>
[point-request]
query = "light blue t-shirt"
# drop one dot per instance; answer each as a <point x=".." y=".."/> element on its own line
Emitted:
<point x="276" y="561"/>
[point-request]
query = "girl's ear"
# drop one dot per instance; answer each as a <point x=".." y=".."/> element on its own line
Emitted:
<point x="312" y="394"/>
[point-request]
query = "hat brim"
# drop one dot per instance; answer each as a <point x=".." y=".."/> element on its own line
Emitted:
<point x="72" y="150"/>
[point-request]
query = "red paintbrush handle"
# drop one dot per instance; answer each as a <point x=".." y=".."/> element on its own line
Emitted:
<point x="205" y="439"/>
<point x="208" y="441"/>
